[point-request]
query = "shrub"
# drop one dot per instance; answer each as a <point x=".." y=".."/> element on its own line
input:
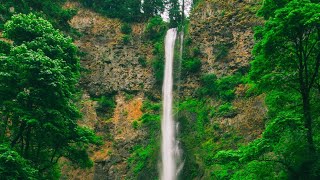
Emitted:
<point x="135" y="124"/>
<point x="105" y="103"/>
<point x="142" y="61"/>
<point x="226" y="86"/>
<point x="188" y="41"/>
<point x="222" y="51"/>
<point x="126" y="28"/>
<point x="208" y="85"/>
<point x="191" y="65"/>
<point x="156" y="29"/>
<point x="158" y="62"/>
<point x="223" y="88"/>
<point x="227" y="110"/>
<point x="196" y="51"/>
<point x="126" y="39"/>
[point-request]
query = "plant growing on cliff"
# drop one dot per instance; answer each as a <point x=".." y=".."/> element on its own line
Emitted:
<point x="38" y="84"/>
<point x="142" y="162"/>
<point x="191" y="65"/>
<point x="156" y="29"/>
<point x="126" y="28"/>
<point x="223" y="88"/>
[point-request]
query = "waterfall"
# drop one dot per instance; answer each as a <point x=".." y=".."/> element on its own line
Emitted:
<point x="171" y="164"/>
<point x="170" y="151"/>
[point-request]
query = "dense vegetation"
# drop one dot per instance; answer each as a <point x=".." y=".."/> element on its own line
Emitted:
<point x="50" y="10"/>
<point x="135" y="10"/>
<point x="38" y="77"/>
<point x="286" y="69"/>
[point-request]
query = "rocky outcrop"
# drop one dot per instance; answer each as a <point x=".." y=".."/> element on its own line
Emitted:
<point x="119" y="137"/>
<point x="110" y="63"/>
<point x="222" y="33"/>
<point x="111" y="66"/>
<point x="113" y="165"/>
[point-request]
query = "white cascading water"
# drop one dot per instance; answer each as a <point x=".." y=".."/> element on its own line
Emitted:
<point x="169" y="146"/>
<point x="171" y="164"/>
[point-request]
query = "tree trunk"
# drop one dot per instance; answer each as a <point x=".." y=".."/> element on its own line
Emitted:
<point x="4" y="130"/>
<point x="19" y="135"/>
<point x="26" y="152"/>
<point x="311" y="154"/>
<point x="308" y="121"/>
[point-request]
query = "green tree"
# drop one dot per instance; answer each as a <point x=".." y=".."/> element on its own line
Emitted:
<point x="175" y="13"/>
<point x="287" y="59"/>
<point x="51" y="10"/>
<point x="127" y="10"/>
<point x="152" y="8"/>
<point x="38" y="85"/>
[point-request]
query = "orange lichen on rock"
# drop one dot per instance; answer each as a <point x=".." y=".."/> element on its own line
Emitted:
<point x="125" y="113"/>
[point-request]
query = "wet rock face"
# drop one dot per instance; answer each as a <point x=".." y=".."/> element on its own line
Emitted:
<point x="110" y="64"/>
<point x="222" y="33"/>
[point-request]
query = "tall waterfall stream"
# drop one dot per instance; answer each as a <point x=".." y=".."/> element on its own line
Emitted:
<point x="170" y="151"/>
<point x="171" y="164"/>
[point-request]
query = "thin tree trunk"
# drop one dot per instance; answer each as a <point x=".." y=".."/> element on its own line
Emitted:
<point x="4" y="130"/>
<point x="308" y="121"/>
<point x="20" y="133"/>
<point x="26" y="152"/>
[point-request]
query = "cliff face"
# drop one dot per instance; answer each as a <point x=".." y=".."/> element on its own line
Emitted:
<point x="111" y="64"/>
<point x="222" y="32"/>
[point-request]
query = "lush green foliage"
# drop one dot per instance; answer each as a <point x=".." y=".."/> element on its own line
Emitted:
<point x="175" y="13"/>
<point x="126" y="28"/>
<point x="127" y="10"/>
<point x="156" y="29"/>
<point x="155" y="32"/>
<point x="13" y="166"/>
<point x="38" y="85"/>
<point x="5" y="47"/>
<point x="144" y="156"/>
<point x="191" y="65"/>
<point x="51" y="10"/>
<point x="201" y="137"/>
<point x="193" y="116"/>
<point x="158" y="62"/>
<point x="286" y="68"/>
<point x="223" y="88"/>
